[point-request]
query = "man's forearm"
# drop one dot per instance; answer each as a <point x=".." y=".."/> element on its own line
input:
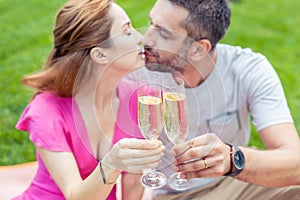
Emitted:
<point x="271" y="168"/>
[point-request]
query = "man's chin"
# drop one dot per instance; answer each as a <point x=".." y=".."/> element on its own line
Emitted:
<point x="158" y="67"/>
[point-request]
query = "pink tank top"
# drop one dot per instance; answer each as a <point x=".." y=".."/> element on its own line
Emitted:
<point x="53" y="124"/>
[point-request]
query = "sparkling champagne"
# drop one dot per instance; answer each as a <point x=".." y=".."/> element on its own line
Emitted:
<point x="150" y="116"/>
<point x="176" y="117"/>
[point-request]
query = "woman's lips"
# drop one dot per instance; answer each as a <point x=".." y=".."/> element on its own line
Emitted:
<point x="142" y="55"/>
<point x="146" y="55"/>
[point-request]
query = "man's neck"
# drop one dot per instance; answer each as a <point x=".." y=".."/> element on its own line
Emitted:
<point x="198" y="72"/>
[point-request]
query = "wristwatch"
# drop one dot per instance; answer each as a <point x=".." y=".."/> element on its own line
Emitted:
<point x="237" y="160"/>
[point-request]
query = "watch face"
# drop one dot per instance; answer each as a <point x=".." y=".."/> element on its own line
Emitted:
<point x="239" y="160"/>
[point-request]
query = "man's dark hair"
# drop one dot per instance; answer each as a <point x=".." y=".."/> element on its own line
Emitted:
<point x="207" y="19"/>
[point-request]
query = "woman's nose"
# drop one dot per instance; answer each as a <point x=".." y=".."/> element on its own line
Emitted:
<point x="138" y="35"/>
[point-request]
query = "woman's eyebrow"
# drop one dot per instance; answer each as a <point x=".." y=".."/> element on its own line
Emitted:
<point x="126" y="24"/>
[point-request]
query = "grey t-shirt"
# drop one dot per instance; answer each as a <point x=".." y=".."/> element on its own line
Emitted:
<point x="243" y="84"/>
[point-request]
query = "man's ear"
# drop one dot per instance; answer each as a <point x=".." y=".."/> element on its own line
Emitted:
<point x="199" y="48"/>
<point x="99" y="55"/>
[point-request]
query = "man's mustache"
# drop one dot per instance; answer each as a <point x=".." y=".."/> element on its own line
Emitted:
<point x="151" y="52"/>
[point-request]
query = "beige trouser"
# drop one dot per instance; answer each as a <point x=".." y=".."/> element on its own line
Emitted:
<point x="232" y="189"/>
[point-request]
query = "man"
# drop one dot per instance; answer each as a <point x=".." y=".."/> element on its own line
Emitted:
<point x="225" y="86"/>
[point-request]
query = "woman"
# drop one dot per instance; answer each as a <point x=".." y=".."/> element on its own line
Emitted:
<point x="71" y="117"/>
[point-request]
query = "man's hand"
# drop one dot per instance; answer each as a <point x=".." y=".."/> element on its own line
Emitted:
<point x="203" y="156"/>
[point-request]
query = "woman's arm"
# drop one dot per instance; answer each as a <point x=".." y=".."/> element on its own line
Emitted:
<point x="131" y="186"/>
<point x="63" y="169"/>
<point x="128" y="154"/>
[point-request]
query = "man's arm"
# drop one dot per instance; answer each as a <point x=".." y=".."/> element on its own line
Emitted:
<point x="276" y="166"/>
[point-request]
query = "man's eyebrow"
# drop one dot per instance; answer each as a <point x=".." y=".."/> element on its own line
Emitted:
<point x="159" y="27"/>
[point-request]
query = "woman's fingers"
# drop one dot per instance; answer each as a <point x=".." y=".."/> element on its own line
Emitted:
<point x="136" y="153"/>
<point x="133" y="143"/>
<point x="143" y="160"/>
<point x="137" y="164"/>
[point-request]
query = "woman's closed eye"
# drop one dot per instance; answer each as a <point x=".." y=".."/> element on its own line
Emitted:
<point x="127" y="29"/>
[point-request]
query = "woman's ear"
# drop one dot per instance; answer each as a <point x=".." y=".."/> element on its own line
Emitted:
<point x="199" y="48"/>
<point x="99" y="55"/>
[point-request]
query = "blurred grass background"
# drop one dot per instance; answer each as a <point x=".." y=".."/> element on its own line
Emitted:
<point x="269" y="27"/>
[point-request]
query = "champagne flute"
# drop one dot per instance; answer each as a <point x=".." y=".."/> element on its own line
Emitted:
<point x="176" y="123"/>
<point x="150" y="120"/>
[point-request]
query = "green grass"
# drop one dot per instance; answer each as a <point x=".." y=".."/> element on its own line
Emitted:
<point x="25" y="41"/>
<point x="269" y="27"/>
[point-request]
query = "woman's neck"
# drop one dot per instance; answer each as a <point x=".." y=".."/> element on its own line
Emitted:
<point x="98" y="103"/>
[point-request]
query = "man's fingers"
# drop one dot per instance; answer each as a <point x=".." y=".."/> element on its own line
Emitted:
<point x="196" y="165"/>
<point x="182" y="148"/>
<point x="210" y="172"/>
<point x="194" y="153"/>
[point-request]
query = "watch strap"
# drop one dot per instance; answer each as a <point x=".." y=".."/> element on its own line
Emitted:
<point x="233" y="171"/>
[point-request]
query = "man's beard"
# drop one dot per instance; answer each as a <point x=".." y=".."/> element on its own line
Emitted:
<point x="175" y="62"/>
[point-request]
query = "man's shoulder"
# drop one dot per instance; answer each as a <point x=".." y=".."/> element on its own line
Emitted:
<point x="227" y="50"/>
<point x="242" y="64"/>
<point x="239" y="59"/>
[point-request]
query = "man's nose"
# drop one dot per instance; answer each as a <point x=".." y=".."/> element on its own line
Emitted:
<point x="148" y="39"/>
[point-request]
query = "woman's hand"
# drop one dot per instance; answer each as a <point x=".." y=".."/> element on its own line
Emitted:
<point x="134" y="155"/>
